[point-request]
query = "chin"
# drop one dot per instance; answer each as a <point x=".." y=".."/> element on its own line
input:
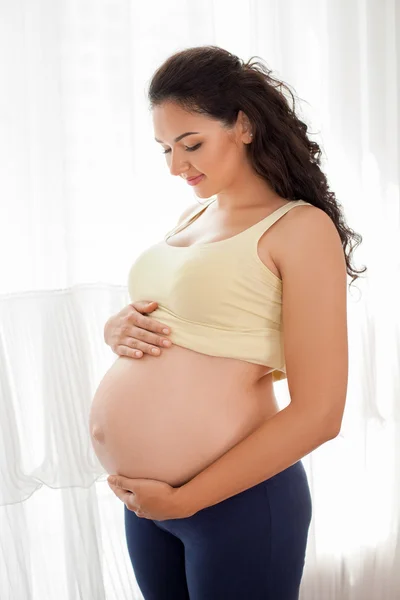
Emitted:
<point x="206" y="194"/>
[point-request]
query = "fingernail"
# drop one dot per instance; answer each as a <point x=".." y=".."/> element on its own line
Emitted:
<point x="165" y="330"/>
<point x="155" y="351"/>
<point x="166" y="343"/>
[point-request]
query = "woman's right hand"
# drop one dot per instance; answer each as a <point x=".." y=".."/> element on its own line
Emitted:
<point x="130" y="332"/>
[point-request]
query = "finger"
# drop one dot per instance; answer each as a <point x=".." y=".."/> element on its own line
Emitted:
<point x="135" y="349"/>
<point x="130" y="503"/>
<point x="120" y="481"/>
<point x="144" y="305"/>
<point x="128" y="498"/>
<point x="121" y="494"/>
<point x="144" y="322"/>
<point x="146" y="341"/>
<point x="115" y="480"/>
<point x="142" y="334"/>
<point x="127" y="351"/>
<point x="150" y="324"/>
<point x="132" y="345"/>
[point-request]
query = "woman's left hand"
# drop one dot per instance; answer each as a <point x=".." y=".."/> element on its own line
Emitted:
<point x="148" y="498"/>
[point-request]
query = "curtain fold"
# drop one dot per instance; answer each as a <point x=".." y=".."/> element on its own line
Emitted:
<point x="84" y="189"/>
<point x="53" y="358"/>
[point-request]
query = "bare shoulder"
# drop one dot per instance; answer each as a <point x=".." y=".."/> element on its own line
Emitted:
<point x="306" y="232"/>
<point x="312" y="263"/>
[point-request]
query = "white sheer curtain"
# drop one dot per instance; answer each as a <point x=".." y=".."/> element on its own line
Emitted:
<point x="84" y="188"/>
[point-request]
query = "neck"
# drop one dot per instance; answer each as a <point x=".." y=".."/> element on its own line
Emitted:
<point x="247" y="191"/>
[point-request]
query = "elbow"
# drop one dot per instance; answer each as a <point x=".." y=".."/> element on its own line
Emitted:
<point x="325" y="427"/>
<point x="333" y="433"/>
<point x="324" y="424"/>
<point x="332" y="417"/>
<point x="332" y="426"/>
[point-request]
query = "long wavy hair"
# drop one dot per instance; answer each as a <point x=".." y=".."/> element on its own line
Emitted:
<point x="211" y="81"/>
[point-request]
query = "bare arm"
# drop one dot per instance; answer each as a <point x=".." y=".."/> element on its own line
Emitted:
<point x="314" y="314"/>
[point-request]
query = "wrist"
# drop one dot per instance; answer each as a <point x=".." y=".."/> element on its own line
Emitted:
<point x="187" y="504"/>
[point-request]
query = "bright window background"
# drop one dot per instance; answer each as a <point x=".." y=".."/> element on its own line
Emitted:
<point x="84" y="188"/>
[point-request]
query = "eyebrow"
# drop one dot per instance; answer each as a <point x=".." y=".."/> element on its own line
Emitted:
<point x="179" y="136"/>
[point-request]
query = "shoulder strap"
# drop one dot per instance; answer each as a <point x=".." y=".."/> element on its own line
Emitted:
<point x="262" y="226"/>
<point x="255" y="231"/>
<point x="189" y="219"/>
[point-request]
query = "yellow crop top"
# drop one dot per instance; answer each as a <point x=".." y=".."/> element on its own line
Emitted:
<point x="218" y="298"/>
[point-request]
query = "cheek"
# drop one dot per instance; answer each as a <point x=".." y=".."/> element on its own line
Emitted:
<point x="226" y="162"/>
<point x="218" y="161"/>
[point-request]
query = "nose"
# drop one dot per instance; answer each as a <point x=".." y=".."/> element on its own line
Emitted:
<point x="177" y="166"/>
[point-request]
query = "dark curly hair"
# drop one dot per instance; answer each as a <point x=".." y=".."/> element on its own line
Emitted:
<point x="211" y="81"/>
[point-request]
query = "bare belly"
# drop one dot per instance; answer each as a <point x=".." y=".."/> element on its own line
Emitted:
<point x="169" y="417"/>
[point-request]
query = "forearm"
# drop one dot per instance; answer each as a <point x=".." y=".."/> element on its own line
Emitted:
<point x="275" y="445"/>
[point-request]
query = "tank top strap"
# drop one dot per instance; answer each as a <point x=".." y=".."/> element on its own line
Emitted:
<point x="256" y="231"/>
<point x="189" y="219"/>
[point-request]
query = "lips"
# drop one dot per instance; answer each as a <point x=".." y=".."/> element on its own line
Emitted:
<point x="195" y="180"/>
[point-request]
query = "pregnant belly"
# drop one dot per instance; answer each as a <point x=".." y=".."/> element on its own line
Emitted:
<point x="168" y="418"/>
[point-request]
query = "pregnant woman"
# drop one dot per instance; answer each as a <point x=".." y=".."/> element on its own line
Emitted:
<point x="251" y="286"/>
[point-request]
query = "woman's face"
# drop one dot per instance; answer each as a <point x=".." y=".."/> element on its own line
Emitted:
<point x="210" y="149"/>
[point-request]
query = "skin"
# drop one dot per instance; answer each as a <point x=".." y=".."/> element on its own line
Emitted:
<point x="134" y="420"/>
<point x="221" y="158"/>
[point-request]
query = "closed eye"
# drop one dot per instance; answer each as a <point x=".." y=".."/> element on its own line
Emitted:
<point x="187" y="148"/>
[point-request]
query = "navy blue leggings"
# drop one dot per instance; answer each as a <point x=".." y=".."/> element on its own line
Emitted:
<point x="250" y="546"/>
